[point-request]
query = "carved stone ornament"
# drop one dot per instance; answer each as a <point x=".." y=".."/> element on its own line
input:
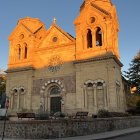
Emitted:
<point x="55" y="63"/>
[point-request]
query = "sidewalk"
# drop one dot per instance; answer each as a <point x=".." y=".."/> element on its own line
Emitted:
<point x="99" y="136"/>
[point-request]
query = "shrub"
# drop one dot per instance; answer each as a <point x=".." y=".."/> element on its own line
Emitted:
<point x="138" y="104"/>
<point x="132" y="100"/>
<point x="119" y="114"/>
<point x="103" y="113"/>
<point x="42" y="116"/>
<point x="59" y="115"/>
<point x="134" y="111"/>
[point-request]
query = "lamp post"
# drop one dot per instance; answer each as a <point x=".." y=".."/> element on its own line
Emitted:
<point x="6" y="107"/>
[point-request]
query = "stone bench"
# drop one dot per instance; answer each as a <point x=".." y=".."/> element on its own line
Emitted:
<point x="26" y="115"/>
<point x="81" y="114"/>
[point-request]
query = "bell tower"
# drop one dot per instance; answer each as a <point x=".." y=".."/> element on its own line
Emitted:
<point x="97" y="30"/>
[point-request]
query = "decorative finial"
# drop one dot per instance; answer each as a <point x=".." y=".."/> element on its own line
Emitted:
<point x="87" y="1"/>
<point x="54" y="20"/>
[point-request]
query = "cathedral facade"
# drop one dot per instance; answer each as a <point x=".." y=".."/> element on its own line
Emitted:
<point x="51" y="69"/>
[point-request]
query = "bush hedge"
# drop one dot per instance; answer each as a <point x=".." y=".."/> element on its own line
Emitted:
<point x="134" y="111"/>
<point x="106" y="114"/>
<point x="42" y="116"/>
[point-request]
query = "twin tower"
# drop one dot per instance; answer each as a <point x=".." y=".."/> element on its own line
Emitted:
<point x="53" y="69"/>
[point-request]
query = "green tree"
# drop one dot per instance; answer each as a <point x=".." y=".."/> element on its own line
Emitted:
<point x="132" y="100"/>
<point x="138" y="104"/>
<point x="2" y="91"/>
<point x="133" y="73"/>
<point x="2" y="85"/>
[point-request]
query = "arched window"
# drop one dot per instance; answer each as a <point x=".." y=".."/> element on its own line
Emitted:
<point x="89" y="39"/>
<point x="25" y="55"/>
<point x="98" y="36"/>
<point x="15" y="101"/>
<point x="88" y="99"/>
<point x="25" y="51"/>
<point x="89" y="85"/>
<point x="55" y="90"/>
<point x="18" y="98"/>
<point x="100" y="95"/>
<point x="21" y="98"/>
<point x="19" y="53"/>
<point x="99" y="84"/>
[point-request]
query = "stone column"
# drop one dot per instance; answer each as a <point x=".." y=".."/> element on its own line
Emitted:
<point x="93" y="39"/>
<point x="105" y="95"/>
<point x="16" y="55"/>
<point x="11" y="100"/>
<point x="62" y="101"/>
<point x="46" y="103"/>
<point x="85" y="39"/>
<point x="42" y="102"/>
<point x="84" y="101"/>
<point x="95" y="96"/>
<point x="63" y="104"/>
<point x="49" y="101"/>
<point x="85" y="93"/>
<point x="18" y="94"/>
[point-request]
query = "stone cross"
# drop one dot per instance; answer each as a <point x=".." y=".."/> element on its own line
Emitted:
<point x="54" y="20"/>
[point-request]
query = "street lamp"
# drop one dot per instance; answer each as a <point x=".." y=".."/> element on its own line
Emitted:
<point x="6" y="107"/>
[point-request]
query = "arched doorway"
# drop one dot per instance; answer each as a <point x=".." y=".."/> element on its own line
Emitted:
<point x="52" y="96"/>
<point x="55" y="99"/>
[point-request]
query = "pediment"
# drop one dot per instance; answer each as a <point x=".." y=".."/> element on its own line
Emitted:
<point x="102" y="5"/>
<point x="18" y="30"/>
<point x="55" y="36"/>
<point x="28" y="26"/>
<point x="32" y="24"/>
<point x="90" y="10"/>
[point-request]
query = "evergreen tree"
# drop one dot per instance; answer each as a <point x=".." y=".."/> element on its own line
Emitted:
<point x="2" y="85"/>
<point x="2" y="91"/>
<point x="133" y="73"/>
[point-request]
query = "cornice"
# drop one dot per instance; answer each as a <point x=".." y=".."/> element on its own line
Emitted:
<point x="98" y="59"/>
<point x="12" y="70"/>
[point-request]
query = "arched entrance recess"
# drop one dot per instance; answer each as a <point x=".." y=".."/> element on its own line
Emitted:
<point x="55" y="99"/>
<point x="52" y="96"/>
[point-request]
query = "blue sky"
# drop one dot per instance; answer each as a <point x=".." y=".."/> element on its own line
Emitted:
<point x="65" y="12"/>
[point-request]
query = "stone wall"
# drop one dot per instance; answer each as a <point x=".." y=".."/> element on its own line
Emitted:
<point x="65" y="128"/>
<point x="68" y="81"/>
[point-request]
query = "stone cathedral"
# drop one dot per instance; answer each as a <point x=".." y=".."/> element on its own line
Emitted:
<point x="51" y="69"/>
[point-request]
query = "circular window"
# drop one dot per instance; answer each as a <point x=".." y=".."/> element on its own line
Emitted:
<point x="92" y="19"/>
<point x="54" y="39"/>
<point x="55" y="90"/>
<point x="21" y="36"/>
